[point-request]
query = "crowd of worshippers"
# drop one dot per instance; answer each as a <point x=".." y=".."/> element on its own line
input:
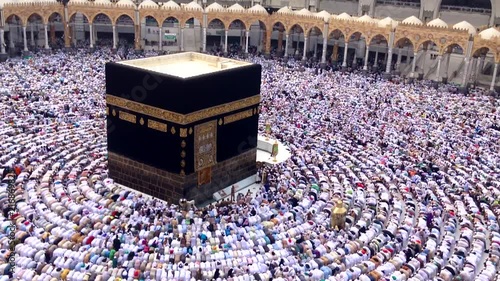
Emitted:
<point x="417" y="168"/>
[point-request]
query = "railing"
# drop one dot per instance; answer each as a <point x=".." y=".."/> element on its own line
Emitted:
<point x="415" y="4"/>
<point x="465" y="9"/>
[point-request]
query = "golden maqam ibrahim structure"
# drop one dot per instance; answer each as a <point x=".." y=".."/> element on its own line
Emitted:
<point x="334" y="34"/>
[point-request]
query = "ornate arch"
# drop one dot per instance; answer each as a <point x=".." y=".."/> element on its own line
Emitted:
<point x="490" y="50"/>
<point x="369" y="39"/>
<point x="250" y="20"/>
<point x="273" y="22"/>
<point x="349" y="35"/>
<point x="425" y="40"/>
<point x="165" y="17"/>
<point x="185" y="17"/>
<point x="445" y="47"/>
<point x="211" y="19"/>
<point x="301" y="25"/>
<point x="91" y="21"/>
<point x="22" y="18"/>
<point x="311" y="28"/>
<point x="339" y="29"/>
<point x="397" y="39"/>
<point x="50" y="15"/>
<point x="146" y="15"/>
<point x="115" y="19"/>
<point x="85" y="15"/>
<point x="237" y="19"/>
<point x="32" y="14"/>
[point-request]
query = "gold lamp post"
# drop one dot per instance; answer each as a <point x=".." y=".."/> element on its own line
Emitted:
<point x="275" y="151"/>
<point x="268" y="130"/>
<point x="339" y="213"/>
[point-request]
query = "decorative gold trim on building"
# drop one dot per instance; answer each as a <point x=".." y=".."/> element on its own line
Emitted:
<point x="178" y="118"/>
<point x="183" y="154"/>
<point x="183" y="144"/>
<point x="183" y="132"/>
<point x="220" y="122"/>
<point x="162" y="127"/>
<point x="172" y="130"/>
<point x="107" y="110"/>
<point x="190" y="130"/>
<point x="125" y="116"/>
<point x="113" y="112"/>
<point x="183" y="163"/>
<point x="141" y="121"/>
<point x="238" y="116"/>
<point x="182" y="172"/>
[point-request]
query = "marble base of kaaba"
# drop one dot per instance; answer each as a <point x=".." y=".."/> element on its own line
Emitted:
<point x="171" y="187"/>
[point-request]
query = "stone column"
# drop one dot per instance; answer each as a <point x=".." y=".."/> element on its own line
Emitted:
<point x="267" y="43"/>
<point x="225" y="40"/>
<point x="2" y="41"/>
<point x="388" y="66"/>
<point x="447" y="67"/>
<point x="335" y="52"/>
<point x="182" y="39"/>
<point x="247" y="34"/>
<point x="114" y="36"/>
<point x="137" y="31"/>
<point x="11" y="41"/>
<point x="67" y="36"/>
<point x="325" y="45"/>
<point x="438" y="70"/>
<point x="280" y="40"/>
<point x="466" y="72"/>
<point x="160" y="38"/>
<point x="204" y="39"/>
<point x="481" y="64"/>
<point x="390" y="45"/>
<point x="91" y="32"/>
<point x="472" y="74"/>
<point x="492" y="86"/>
<point x="424" y="54"/>
<point x="32" y="35"/>
<point x="325" y="42"/>
<point x="315" y="48"/>
<point x="25" y="40"/>
<point x="204" y="31"/>
<point x="304" y="55"/>
<point x="367" y="53"/>
<point x="52" y="33"/>
<point x="46" y="37"/>
<point x="398" y="62"/>
<point x="414" y="64"/>
<point x="375" y="64"/>
<point x="286" y="44"/>
<point x="346" y="47"/>
<point x="96" y="33"/>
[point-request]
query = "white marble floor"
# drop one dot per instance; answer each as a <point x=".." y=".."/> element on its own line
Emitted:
<point x="265" y="147"/>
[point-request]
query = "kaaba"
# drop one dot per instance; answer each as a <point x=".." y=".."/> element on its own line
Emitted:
<point x="182" y="125"/>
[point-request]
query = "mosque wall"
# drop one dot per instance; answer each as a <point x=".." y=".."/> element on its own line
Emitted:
<point x="397" y="13"/>
<point x="340" y="6"/>
<point x="409" y="34"/>
<point x="476" y="19"/>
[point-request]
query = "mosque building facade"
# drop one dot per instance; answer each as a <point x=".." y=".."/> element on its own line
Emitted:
<point x="420" y="46"/>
